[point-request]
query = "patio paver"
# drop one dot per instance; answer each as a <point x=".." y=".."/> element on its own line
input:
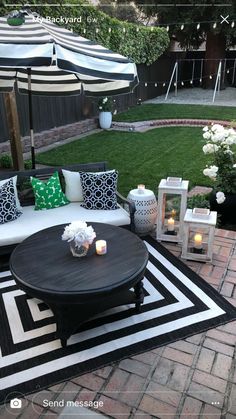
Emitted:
<point x="195" y="377"/>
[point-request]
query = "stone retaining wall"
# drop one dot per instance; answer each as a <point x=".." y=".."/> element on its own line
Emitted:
<point x="53" y="135"/>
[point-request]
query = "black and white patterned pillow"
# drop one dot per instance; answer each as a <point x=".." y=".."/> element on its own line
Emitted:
<point x="99" y="190"/>
<point x="8" y="208"/>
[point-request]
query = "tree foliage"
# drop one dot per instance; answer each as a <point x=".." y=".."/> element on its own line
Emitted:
<point x="206" y="12"/>
<point x="139" y="43"/>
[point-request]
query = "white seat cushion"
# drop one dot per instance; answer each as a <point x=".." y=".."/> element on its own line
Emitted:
<point x="32" y="221"/>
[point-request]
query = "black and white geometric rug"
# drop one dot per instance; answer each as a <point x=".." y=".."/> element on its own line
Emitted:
<point x="178" y="303"/>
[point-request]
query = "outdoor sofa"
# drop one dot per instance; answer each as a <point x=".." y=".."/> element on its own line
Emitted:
<point x="31" y="221"/>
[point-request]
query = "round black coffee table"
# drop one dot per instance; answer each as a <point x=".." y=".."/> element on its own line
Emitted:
<point x="78" y="288"/>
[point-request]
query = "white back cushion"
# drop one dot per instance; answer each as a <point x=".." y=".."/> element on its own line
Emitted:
<point x="73" y="189"/>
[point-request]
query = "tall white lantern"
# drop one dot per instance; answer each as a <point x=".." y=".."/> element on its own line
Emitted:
<point x="199" y="230"/>
<point x="171" y="207"/>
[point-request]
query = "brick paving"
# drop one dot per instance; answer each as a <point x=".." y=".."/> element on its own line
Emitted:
<point x="195" y="377"/>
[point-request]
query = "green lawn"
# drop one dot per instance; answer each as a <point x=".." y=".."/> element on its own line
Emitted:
<point x="162" y="111"/>
<point x="139" y="157"/>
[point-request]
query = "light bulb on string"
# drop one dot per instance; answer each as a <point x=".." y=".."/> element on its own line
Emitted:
<point x="167" y="28"/>
<point x="155" y="84"/>
<point x="145" y="84"/>
<point x="109" y="30"/>
<point x="182" y="83"/>
<point x="137" y="29"/>
<point x="163" y="84"/>
<point x="227" y="71"/>
<point x="198" y="26"/>
<point x="200" y="80"/>
<point x="97" y="30"/>
<point x="232" y="25"/>
<point x="210" y="77"/>
<point x="214" y="25"/>
<point x="191" y="82"/>
<point x="182" y="27"/>
<point x="151" y="28"/>
<point x="175" y="84"/>
<point x="124" y="30"/>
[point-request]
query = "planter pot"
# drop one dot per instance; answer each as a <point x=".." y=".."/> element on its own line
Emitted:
<point x="226" y="210"/>
<point x="105" y="119"/>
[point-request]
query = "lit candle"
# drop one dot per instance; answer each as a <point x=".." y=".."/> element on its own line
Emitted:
<point x="141" y="188"/>
<point x="171" y="224"/>
<point x="198" y="241"/>
<point x="101" y="247"/>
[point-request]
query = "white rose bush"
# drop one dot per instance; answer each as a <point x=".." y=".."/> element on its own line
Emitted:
<point x="220" y="143"/>
<point x="105" y="104"/>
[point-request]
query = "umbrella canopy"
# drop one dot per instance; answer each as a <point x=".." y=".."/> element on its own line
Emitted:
<point x="44" y="58"/>
<point x="60" y="61"/>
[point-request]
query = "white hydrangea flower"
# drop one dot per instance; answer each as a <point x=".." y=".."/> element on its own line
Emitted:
<point x="220" y="197"/>
<point x="79" y="232"/>
<point x="205" y="129"/>
<point x="229" y="141"/>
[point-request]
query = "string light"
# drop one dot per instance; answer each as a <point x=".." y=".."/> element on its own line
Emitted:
<point x="137" y="29"/>
<point x="198" y="26"/>
<point x="182" y="27"/>
<point x="182" y="83"/>
<point x="227" y="71"/>
<point x="175" y="84"/>
<point x="232" y="25"/>
<point x="167" y="28"/>
<point x="163" y="84"/>
<point x="97" y="30"/>
<point x="200" y="80"/>
<point x="145" y="84"/>
<point x="124" y="30"/>
<point x="84" y="30"/>
<point x="214" y="25"/>
<point x="191" y="82"/>
<point x="155" y="85"/>
<point x="210" y="77"/>
<point x="109" y="30"/>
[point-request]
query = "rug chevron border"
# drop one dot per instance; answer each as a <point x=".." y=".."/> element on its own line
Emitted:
<point x="178" y="303"/>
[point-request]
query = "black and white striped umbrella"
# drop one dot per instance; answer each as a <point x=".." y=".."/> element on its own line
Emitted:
<point x="58" y="58"/>
<point x="46" y="59"/>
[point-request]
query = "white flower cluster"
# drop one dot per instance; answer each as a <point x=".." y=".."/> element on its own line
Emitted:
<point x="80" y="233"/>
<point x="218" y="134"/>
<point x="218" y="139"/>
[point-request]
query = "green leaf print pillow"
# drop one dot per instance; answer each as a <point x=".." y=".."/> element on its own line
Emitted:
<point x="48" y="194"/>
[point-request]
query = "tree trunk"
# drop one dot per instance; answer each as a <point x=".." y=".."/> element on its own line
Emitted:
<point x="14" y="130"/>
<point x="215" y="52"/>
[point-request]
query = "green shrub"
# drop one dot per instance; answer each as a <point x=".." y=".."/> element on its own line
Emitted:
<point x="198" y="201"/>
<point x="5" y="161"/>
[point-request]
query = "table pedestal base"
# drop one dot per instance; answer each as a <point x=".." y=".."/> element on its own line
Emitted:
<point x="70" y="317"/>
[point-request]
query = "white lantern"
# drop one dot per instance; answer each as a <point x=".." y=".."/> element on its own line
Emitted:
<point x="146" y="209"/>
<point x="172" y="204"/>
<point x="199" y="230"/>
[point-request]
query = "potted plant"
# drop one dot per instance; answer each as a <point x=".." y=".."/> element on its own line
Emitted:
<point x="105" y="112"/>
<point x="221" y="169"/>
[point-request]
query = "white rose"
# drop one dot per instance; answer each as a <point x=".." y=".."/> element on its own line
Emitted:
<point x="217" y="128"/>
<point x="220" y="197"/>
<point x="205" y="129"/>
<point x="211" y="172"/>
<point x="210" y="148"/>
<point x="207" y="135"/>
<point x="229" y="141"/>
<point x="218" y="136"/>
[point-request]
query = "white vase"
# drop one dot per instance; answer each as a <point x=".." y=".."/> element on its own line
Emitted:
<point x="105" y="119"/>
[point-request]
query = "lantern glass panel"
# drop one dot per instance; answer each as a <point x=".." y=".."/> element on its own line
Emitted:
<point x="171" y="213"/>
<point x="198" y="240"/>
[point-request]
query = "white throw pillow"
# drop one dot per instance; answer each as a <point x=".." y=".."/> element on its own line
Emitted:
<point x="14" y="179"/>
<point x="73" y="187"/>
